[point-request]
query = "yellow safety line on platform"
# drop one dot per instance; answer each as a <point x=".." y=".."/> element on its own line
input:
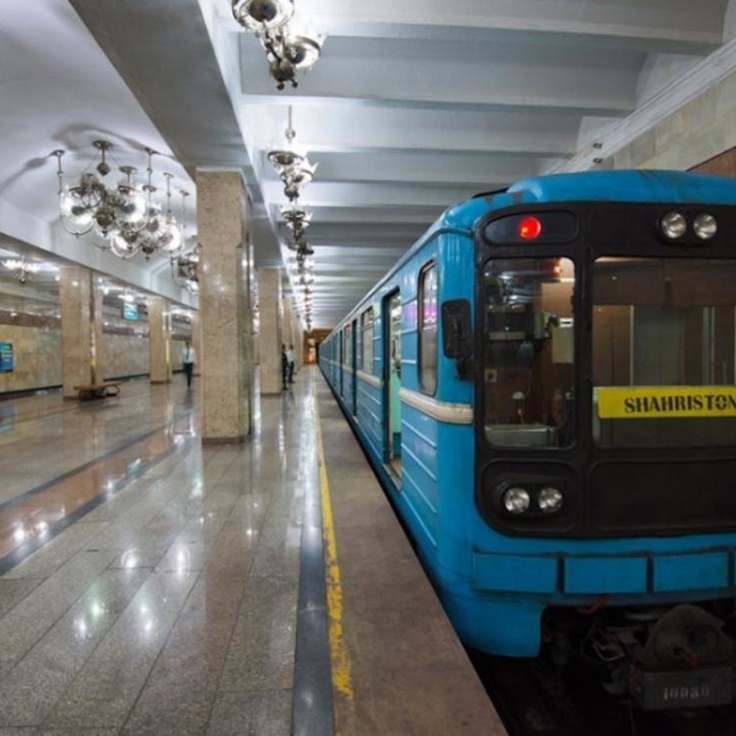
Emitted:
<point x="340" y="659"/>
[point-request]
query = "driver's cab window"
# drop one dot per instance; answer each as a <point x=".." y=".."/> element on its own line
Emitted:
<point x="528" y="352"/>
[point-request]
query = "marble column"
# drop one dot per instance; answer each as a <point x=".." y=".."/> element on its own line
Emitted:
<point x="159" y="340"/>
<point x="248" y="327"/>
<point x="270" y="335"/>
<point x="102" y="370"/>
<point x="256" y="314"/>
<point x="222" y="218"/>
<point x="256" y="349"/>
<point x="291" y="320"/>
<point x="287" y="335"/>
<point x="299" y="343"/>
<point x="79" y="354"/>
<point x="196" y="338"/>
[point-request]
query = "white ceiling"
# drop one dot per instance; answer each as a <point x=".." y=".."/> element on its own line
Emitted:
<point x="413" y="107"/>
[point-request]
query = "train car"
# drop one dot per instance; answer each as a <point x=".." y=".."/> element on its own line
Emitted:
<point x="544" y="384"/>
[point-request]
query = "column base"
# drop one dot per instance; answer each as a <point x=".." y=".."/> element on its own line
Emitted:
<point x="238" y="439"/>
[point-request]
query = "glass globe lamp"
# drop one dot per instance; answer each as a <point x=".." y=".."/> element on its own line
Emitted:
<point x="169" y="239"/>
<point x="124" y="245"/>
<point x="262" y="15"/>
<point x="76" y="216"/>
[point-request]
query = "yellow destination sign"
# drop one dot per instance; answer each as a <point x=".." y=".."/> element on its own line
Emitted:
<point x="666" y="402"/>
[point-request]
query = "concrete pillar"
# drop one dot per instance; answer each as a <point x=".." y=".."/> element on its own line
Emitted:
<point x="159" y="340"/>
<point x="271" y="335"/>
<point x="222" y="217"/>
<point x="79" y="354"/>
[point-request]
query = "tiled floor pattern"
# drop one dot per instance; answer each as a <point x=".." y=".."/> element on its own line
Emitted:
<point x="169" y="605"/>
<point x="150" y="585"/>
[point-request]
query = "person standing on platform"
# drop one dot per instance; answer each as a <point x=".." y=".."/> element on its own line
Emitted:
<point x="290" y="362"/>
<point x="189" y="358"/>
<point x="284" y="367"/>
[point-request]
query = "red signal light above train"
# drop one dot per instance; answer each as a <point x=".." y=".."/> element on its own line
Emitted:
<point x="539" y="228"/>
<point x="530" y="228"/>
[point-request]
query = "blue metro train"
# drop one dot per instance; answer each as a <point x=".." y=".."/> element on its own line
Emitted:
<point x="545" y="385"/>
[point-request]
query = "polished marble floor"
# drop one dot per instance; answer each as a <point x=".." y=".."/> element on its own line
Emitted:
<point x="152" y="585"/>
<point x="148" y="584"/>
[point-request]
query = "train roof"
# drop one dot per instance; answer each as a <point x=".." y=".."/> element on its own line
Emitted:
<point x="635" y="185"/>
<point x="639" y="185"/>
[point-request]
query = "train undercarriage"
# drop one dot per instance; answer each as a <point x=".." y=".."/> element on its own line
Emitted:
<point x="681" y="656"/>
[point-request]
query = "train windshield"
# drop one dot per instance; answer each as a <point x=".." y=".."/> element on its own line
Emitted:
<point x="528" y="352"/>
<point x="663" y="352"/>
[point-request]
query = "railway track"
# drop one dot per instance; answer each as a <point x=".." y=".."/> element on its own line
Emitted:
<point x="533" y="700"/>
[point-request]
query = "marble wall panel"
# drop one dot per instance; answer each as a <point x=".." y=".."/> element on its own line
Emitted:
<point x="697" y="132"/>
<point x="124" y="355"/>
<point x="36" y="356"/>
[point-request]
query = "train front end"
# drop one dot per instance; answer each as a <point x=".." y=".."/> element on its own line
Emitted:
<point x="605" y="430"/>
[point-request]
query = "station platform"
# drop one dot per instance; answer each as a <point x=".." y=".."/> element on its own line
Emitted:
<point x="153" y="585"/>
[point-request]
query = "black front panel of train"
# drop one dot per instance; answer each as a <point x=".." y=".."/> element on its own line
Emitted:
<point x="661" y="497"/>
<point x="611" y="484"/>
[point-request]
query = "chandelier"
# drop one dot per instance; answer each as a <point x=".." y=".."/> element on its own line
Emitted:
<point x="296" y="171"/>
<point x="302" y="278"/>
<point x="292" y="164"/>
<point x="125" y="216"/>
<point x="297" y="220"/>
<point x="185" y="270"/>
<point x="21" y="268"/>
<point x="289" y="44"/>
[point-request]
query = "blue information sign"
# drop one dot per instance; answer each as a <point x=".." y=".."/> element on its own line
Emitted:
<point x="6" y="357"/>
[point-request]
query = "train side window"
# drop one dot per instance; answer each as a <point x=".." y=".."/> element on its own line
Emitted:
<point x="528" y="352"/>
<point x="428" y="328"/>
<point x="366" y="329"/>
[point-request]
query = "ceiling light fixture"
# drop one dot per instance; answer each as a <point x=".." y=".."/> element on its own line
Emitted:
<point x="295" y="170"/>
<point x="21" y="268"/>
<point x="185" y="270"/>
<point x="125" y="217"/>
<point x="291" y="163"/>
<point x="290" y="44"/>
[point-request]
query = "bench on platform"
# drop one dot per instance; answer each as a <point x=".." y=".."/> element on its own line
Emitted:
<point x="98" y="390"/>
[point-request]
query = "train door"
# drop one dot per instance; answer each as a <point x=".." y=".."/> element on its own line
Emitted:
<point x="340" y="360"/>
<point x="354" y="365"/>
<point x="392" y="382"/>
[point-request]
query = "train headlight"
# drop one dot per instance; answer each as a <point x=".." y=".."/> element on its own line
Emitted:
<point x="673" y="225"/>
<point x="516" y="500"/>
<point x="550" y="500"/>
<point x="705" y="226"/>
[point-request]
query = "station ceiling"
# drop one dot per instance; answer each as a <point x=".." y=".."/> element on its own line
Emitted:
<point x="413" y="106"/>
